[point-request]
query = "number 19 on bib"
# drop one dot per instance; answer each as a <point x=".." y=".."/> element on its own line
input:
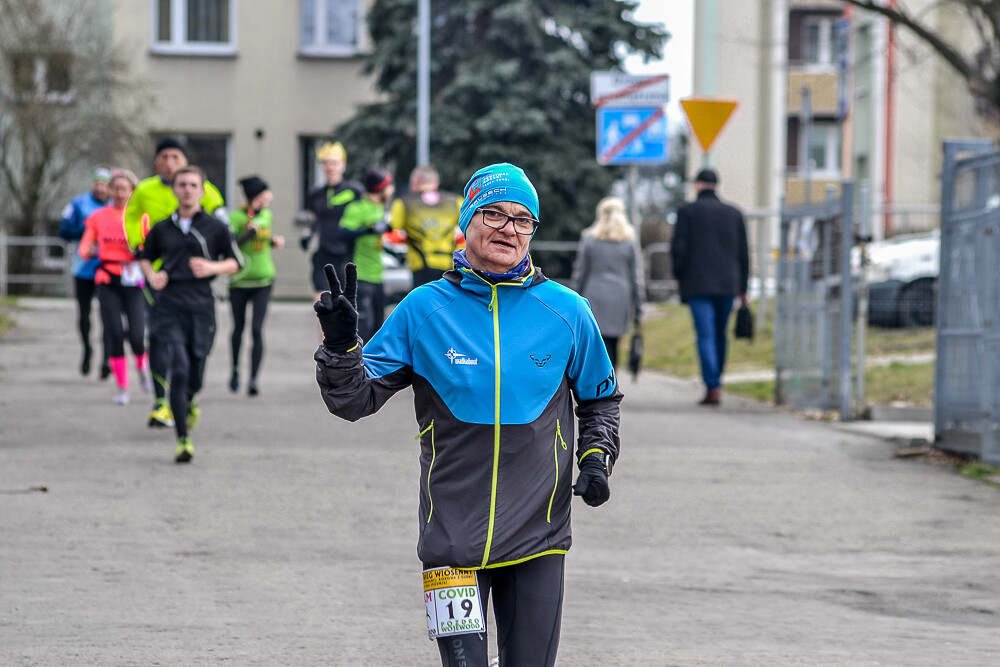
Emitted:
<point x="452" y="600"/>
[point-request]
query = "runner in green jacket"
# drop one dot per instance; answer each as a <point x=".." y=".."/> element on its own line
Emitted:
<point x="252" y="284"/>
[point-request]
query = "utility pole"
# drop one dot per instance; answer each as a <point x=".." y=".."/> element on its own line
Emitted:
<point x="423" y="81"/>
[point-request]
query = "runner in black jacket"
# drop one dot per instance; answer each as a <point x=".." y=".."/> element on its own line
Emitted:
<point x="194" y="248"/>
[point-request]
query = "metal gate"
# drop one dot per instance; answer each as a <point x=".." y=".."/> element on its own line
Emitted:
<point x="967" y="371"/>
<point x="813" y="331"/>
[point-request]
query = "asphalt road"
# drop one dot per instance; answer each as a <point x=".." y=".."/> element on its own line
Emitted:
<point x="737" y="536"/>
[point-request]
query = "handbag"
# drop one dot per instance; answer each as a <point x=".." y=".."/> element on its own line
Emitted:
<point x="744" y="323"/>
<point x="635" y="352"/>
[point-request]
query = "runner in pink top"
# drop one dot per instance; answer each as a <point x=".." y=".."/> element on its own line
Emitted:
<point x="119" y="283"/>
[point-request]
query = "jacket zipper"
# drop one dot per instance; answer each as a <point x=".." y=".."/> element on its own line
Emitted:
<point x="495" y="309"/>
<point x="555" y="449"/>
<point x="430" y="467"/>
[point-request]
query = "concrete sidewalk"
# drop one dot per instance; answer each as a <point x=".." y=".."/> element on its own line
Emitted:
<point x="735" y="536"/>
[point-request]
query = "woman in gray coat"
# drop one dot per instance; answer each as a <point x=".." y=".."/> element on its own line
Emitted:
<point x="608" y="272"/>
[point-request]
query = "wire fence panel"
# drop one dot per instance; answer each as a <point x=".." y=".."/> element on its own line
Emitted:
<point x="49" y="261"/>
<point x="967" y="371"/>
<point x="813" y="332"/>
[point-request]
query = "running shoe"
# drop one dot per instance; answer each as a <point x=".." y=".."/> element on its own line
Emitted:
<point x="121" y="396"/>
<point x="252" y="389"/>
<point x="193" y="415"/>
<point x="161" y="416"/>
<point x="234" y="381"/>
<point x="185" y="450"/>
<point x="146" y="380"/>
<point x="105" y="370"/>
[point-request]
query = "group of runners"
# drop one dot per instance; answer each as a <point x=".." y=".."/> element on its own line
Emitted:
<point x="152" y="248"/>
<point x="153" y="280"/>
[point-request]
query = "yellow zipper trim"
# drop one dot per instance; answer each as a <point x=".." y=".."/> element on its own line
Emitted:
<point x="555" y="448"/>
<point x="522" y="560"/>
<point x="495" y="309"/>
<point x="430" y="428"/>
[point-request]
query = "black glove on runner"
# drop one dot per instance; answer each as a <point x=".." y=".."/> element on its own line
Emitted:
<point x="592" y="483"/>
<point x="338" y="310"/>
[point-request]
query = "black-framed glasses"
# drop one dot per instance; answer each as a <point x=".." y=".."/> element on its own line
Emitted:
<point x="495" y="219"/>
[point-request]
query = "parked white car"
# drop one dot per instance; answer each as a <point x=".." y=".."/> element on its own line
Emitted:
<point x="902" y="277"/>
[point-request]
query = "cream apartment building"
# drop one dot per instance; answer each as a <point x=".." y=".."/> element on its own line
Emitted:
<point x="882" y="102"/>
<point x="252" y="86"/>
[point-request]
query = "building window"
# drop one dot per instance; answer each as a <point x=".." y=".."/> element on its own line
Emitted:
<point x="822" y="153"/>
<point x="42" y="77"/>
<point x="195" y="27"/>
<point x="211" y="153"/>
<point x="817" y="40"/>
<point x="331" y="27"/>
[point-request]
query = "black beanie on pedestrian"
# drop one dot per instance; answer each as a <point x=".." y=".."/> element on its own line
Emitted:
<point x="170" y="142"/>
<point x="253" y="186"/>
<point x="377" y="180"/>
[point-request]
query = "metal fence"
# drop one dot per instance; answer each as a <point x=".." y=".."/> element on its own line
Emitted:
<point x="814" y="312"/>
<point x="967" y="372"/>
<point x="50" y="265"/>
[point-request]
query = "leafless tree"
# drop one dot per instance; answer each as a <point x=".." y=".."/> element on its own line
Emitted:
<point x="975" y="59"/>
<point x="67" y="102"/>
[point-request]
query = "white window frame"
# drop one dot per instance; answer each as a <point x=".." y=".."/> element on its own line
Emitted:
<point x="179" y="44"/>
<point x="825" y="47"/>
<point x="319" y="48"/>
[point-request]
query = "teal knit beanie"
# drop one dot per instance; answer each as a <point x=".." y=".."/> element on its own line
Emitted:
<point x="497" y="182"/>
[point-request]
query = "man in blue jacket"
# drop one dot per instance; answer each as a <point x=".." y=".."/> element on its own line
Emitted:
<point x="74" y="215"/>
<point x="497" y="357"/>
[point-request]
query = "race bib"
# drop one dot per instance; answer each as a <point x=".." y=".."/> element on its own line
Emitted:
<point x="453" y="604"/>
<point x="132" y="274"/>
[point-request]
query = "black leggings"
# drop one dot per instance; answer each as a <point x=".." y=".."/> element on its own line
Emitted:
<point x="180" y="341"/>
<point x="83" y="288"/>
<point x="612" y="345"/>
<point x="117" y="300"/>
<point x="238" y="299"/>
<point x="371" y="309"/>
<point x="527" y="606"/>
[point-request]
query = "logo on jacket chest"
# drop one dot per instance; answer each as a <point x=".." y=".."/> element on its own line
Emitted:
<point x="461" y="359"/>
<point x="540" y="361"/>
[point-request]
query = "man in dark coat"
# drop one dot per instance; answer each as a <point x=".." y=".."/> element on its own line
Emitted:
<point x="711" y="262"/>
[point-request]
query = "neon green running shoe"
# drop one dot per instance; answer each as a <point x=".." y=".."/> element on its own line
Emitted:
<point x="193" y="416"/>
<point x="161" y="416"/>
<point x="185" y="450"/>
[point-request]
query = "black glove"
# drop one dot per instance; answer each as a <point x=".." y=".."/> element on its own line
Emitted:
<point x="338" y="310"/>
<point x="592" y="482"/>
<point x="304" y="242"/>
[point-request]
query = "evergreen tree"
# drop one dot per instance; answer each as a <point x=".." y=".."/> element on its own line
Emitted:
<point x="510" y="82"/>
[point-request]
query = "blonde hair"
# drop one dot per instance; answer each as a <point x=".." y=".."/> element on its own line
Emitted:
<point x="611" y="224"/>
<point x="331" y="151"/>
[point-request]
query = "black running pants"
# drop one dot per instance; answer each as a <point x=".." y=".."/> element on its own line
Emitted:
<point x="258" y="297"/>
<point x="527" y="606"/>
<point x="117" y="300"/>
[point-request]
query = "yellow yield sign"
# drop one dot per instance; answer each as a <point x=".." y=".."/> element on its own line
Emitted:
<point x="707" y="117"/>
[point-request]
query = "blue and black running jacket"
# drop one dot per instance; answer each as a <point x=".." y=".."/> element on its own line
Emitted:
<point x="493" y="368"/>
